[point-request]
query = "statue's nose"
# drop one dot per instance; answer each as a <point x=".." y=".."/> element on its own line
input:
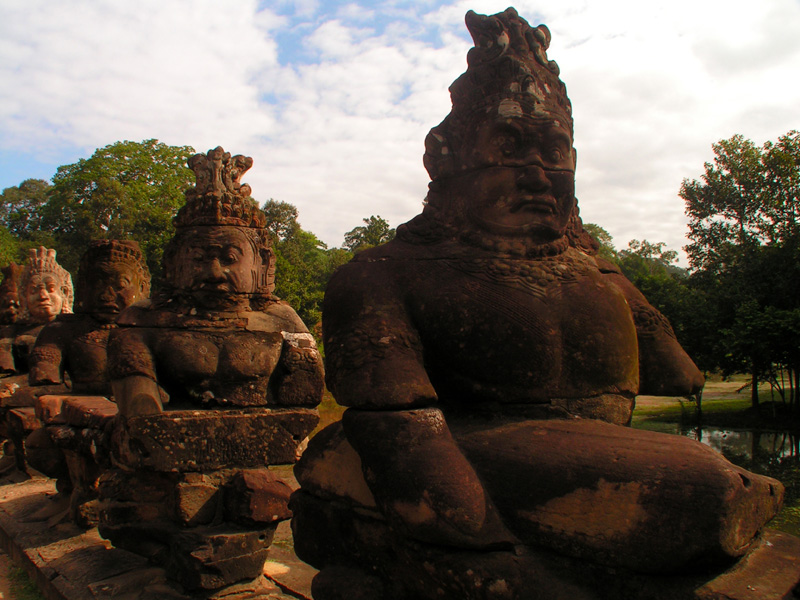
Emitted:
<point x="214" y="271"/>
<point x="107" y="294"/>
<point x="534" y="178"/>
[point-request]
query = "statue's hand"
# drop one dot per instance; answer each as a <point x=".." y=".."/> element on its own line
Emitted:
<point x="421" y="480"/>
<point x="138" y="395"/>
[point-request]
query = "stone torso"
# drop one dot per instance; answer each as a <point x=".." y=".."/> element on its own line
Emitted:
<point x="517" y="331"/>
<point x="234" y="361"/>
<point x="494" y="330"/>
<point x="230" y="367"/>
<point x="75" y="345"/>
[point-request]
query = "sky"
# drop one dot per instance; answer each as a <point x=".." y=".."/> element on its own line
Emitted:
<point x="333" y="99"/>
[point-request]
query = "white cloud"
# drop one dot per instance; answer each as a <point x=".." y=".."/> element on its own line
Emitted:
<point x="340" y="133"/>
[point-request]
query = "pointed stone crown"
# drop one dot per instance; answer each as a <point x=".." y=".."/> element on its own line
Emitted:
<point x="508" y="75"/>
<point x="219" y="197"/>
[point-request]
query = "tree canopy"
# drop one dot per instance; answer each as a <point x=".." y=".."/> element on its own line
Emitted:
<point x="745" y="256"/>
<point x="373" y="232"/>
<point x="304" y="264"/>
<point x="127" y="190"/>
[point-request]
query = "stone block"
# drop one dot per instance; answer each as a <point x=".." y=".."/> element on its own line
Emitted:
<point x="48" y="408"/>
<point x="141" y="487"/>
<point x="22" y="421"/>
<point x="212" y="557"/>
<point x="202" y="440"/>
<point x="257" y="497"/>
<point x="196" y="503"/>
<point x="93" y="412"/>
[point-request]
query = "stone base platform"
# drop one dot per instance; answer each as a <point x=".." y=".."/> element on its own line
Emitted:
<point x="69" y="563"/>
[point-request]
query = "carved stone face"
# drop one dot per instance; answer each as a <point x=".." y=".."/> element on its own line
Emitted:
<point x="113" y="286"/>
<point x="9" y="308"/>
<point x="215" y="264"/>
<point x="522" y="177"/>
<point x="44" y="297"/>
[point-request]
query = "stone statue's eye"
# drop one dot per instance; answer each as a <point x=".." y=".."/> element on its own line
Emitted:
<point x="556" y="155"/>
<point x="506" y="144"/>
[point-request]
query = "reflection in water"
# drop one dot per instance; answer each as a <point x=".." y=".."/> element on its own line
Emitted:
<point x="743" y="443"/>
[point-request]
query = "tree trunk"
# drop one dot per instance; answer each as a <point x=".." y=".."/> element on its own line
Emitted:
<point x="754" y="389"/>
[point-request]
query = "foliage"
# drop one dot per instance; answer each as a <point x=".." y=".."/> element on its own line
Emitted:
<point x="127" y="190"/>
<point x="745" y="255"/>
<point x="304" y="264"/>
<point x="374" y="232"/>
<point x="9" y="247"/>
<point x="605" y="240"/>
<point x="21" y="220"/>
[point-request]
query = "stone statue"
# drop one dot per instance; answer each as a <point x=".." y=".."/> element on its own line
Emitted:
<point x="71" y="444"/>
<point x="46" y="293"/>
<point x="112" y="276"/>
<point x="215" y="379"/>
<point x="490" y="362"/>
<point x="9" y="310"/>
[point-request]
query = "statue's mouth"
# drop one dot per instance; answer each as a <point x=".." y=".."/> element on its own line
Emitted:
<point x="540" y="204"/>
<point x="108" y="308"/>
<point x="222" y="288"/>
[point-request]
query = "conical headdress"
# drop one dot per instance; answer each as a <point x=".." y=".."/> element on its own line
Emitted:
<point x="508" y="75"/>
<point x="42" y="260"/>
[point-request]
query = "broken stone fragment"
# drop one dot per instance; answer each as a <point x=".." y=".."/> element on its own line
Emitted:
<point x="257" y="497"/>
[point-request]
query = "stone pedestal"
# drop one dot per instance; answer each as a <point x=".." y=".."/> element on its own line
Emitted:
<point x="75" y="450"/>
<point x="192" y="489"/>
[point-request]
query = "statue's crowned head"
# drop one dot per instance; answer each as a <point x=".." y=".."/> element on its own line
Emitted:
<point x="112" y="275"/>
<point x="221" y="254"/>
<point x="46" y="287"/>
<point x="502" y="163"/>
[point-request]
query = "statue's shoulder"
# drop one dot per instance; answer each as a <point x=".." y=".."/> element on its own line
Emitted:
<point x="276" y="317"/>
<point x="139" y="314"/>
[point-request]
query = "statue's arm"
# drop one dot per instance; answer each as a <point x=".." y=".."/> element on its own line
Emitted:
<point x="131" y="369"/>
<point x="664" y="367"/>
<point x="300" y="375"/>
<point x="46" y="360"/>
<point x="418" y="475"/>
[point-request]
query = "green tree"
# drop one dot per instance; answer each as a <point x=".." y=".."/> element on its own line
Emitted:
<point x="9" y="247"/>
<point x="127" y="190"/>
<point x="607" y="250"/>
<point x="20" y="207"/>
<point x="374" y="232"/>
<point x="744" y="253"/>
<point x="304" y="264"/>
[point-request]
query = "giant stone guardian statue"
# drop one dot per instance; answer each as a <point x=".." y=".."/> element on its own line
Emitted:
<point x="490" y="361"/>
<point x="215" y="379"/>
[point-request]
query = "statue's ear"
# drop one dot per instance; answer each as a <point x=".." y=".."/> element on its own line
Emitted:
<point x="266" y="274"/>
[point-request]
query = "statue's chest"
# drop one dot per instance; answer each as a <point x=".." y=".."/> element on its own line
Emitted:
<point x="533" y="323"/>
<point x="88" y="355"/>
<point x="191" y="356"/>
